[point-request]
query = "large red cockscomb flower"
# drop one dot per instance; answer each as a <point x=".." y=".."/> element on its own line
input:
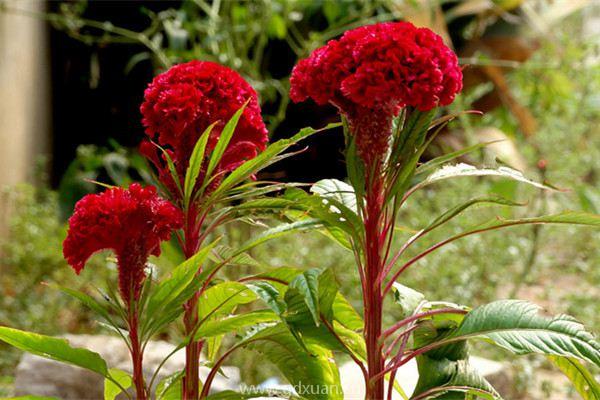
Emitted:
<point x="132" y="222"/>
<point x="182" y="102"/>
<point x="371" y="72"/>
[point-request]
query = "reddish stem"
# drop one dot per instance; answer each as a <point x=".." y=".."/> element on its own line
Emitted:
<point x="373" y="299"/>
<point x="137" y="357"/>
<point x="191" y="388"/>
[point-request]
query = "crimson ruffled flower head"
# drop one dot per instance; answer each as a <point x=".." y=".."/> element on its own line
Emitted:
<point x="182" y="102"/>
<point x="131" y="222"/>
<point x="372" y="72"/>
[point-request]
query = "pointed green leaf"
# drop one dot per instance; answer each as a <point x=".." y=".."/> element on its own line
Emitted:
<point x="111" y="390"/>
<point x="518" y="327"/>
<point x="315" y="368"/>
<point x="170" y="387"/>
<point x="54" y="349"/>
<point x="463" y="170"/>
<point x="236" y="323"/>
<point x="224" y="139"/>
<point x="582" y="379"/>
<point x="195" y="164"/>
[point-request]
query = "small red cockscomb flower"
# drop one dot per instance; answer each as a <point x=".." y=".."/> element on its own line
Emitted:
<point x="371" y="72"/>
<point x="182" y="102"/>
<point x="132" y="222"/>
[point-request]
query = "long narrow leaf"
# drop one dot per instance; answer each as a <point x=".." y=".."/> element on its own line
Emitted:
<point x="54" y="349"/>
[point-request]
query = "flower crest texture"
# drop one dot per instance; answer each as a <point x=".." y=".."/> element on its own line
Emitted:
<point x="379" y="69"/>
<point x="182" y="102"/>
<point x="131" y="222"/>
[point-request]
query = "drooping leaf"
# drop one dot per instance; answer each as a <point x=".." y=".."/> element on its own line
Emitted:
<point x="583" y="381"/>
<point x="235" y="323"/>
<point x="314" y="370"/>
<point x="443" y="159"/>
<point x="518" y="327"/>
<point x="456" y="210"/>
<point x="111" y="390"/>
<point x="54" y="349"/>
<point x="463" y="170"/>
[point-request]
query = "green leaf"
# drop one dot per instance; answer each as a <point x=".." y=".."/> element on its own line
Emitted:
<point x="463" y="170"/>
<point x="315" y="368"/>
<point x="224" y="140"/>
<point x="54" y="349"/>
<point x="222" y="298"/>
<point x="171" y="167"/>
<point x="518" y="327"/>
<point x="235" y="323"/>
<point x="336" y="189"/>
<point x="307" y="284"/>
<point x="269" y="295"/>
<point x="170" y="387"/>
<point x="408" y="299"/>
<point x="164" y="303"/>
<point x="87" y="300"/>
<point x="111" y="390"/>
<point x="441" y="160"/>
<point x="583" y="381"/>
<point x="195" y="164"/>
<point x="345" y="314"/>
<point x="450" y="380"/>
<point x="277" y="231"/>
<point x="456" y="210"/>
<point x="264" y="159"/>
<point x="253" y="393"/>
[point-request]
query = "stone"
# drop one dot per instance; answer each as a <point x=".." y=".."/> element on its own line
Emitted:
<point x="42" y="377"/>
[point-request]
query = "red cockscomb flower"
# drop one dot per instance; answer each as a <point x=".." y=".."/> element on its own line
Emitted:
<point x="132" y="222"/>
<point x="182" y="102"/>
<point x="371" y="72"/>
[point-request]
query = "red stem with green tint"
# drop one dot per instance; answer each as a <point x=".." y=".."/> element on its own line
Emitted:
<point x="137" y="356"/>
<point x="372" y="298"/>
<point x="192" y="242"/>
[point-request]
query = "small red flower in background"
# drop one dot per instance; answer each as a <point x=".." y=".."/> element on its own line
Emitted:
<point x="371" y="72"/>
<point x="132" y="222"/>
<point x="182" y="102"/>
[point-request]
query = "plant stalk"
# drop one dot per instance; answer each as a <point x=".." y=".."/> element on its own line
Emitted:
<point x="191" y="376"/>
<point x="373" y="299"/>
<point x="137" y="356"/>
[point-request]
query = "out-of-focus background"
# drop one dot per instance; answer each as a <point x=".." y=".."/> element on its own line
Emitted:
<point x="72" y="76"/>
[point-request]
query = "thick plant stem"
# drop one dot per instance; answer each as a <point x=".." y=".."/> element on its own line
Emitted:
<point x="137" y="357"/>
<point x="373" y="299"/>
<point x="192" y="352"/>
<point x="190" y="319"/>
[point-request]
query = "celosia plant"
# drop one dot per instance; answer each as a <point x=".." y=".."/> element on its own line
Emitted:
<point x="179" y="106"/>
<point x="132" y="223"/>
<point x="387" y="81"/>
